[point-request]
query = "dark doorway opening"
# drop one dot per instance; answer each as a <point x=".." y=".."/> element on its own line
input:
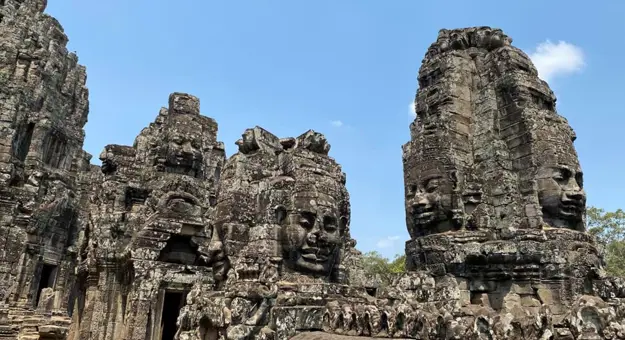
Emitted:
<point x="180" y="249"/>
<point x="372" y="291"/>
<point x="46" y="280"/>
<point x="22" y="141"/>
<point x="174" y="301"/>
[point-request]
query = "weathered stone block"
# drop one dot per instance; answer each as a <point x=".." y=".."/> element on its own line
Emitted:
<point x="182" y="103"/>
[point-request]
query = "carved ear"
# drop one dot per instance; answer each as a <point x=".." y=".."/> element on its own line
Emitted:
<point x="279" y="214"/>
<point x="343" y="224"/>
<point x="453" y="175"/>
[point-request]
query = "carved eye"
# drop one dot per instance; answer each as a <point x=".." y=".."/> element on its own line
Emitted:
<point x="579" y="178"/>
<point x="431" y="185"/>
<point x="329" y="224"/>
<point x="307" y="220"/>
<point x="563" y="175"/>
<point x="305" y="223"/>
<point x="412" y="190"/>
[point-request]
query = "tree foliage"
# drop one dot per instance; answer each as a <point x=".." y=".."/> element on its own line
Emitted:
<point x="385" y="269"/>
<point x="609" y="228"/>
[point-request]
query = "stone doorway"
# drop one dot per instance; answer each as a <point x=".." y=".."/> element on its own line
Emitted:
<point x="170" y="303"/>
<point x="46" y="280"/>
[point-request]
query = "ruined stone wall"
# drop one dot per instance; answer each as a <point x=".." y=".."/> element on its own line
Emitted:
<point x="489" y="157"/>
<point x="495" y="210"/>
<point x="43" y="109"/>
<point x="169" y="240"/>
<point x="283" y="219"/>
<point x="148" y="226"/>
<point x="494" y="188"/>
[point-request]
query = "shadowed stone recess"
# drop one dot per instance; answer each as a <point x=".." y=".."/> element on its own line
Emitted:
<point x="168" y="239"/>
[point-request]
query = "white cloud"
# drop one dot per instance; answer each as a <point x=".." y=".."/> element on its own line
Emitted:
<point x="555" y="59"/>
<point x="336" y="123"/>
<point x="387" y="242"/>
<point x="413" y="110"/>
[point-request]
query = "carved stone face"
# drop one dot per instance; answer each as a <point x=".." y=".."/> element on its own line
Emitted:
<point x="429" y="203"/>
<point x="561" y="195"/>
<point x="311" y="234"/>
<point x="108" y="164"/>
<point x="217" y="257"/>
<point x="184" y="144"/>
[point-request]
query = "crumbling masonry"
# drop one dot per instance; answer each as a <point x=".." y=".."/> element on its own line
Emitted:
<point x="168" y="239"/>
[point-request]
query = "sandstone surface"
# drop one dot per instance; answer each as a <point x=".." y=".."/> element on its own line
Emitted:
<point x="168" y="239"/>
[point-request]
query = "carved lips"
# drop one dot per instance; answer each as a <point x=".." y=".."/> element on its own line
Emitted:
<point x="572" y="208"/>
<point x="181" y="203"/>
<point x="315" y="254"/>
<point x="310" y="240"/>
<point x="422" y="213"/>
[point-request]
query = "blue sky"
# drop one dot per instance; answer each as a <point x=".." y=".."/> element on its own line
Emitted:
<point x="346" y="68"/>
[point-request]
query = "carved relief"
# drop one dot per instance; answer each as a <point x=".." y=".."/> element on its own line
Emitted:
<point x="165" y="241"/>
<point x="559" y="176"/>
<point x="216" y="256"/>
<point x="54" y="151"/>
<point x="494" y="189"/>
<point x="432" y="196"/>
<point x="151" y="213"/>
<point x="561" y="196"/>
<point x="312" y="232"/>
<point x="22" y="140"/>
<point x="430" y="203"/>
<point x="181" y="204"/>
<point x="315" y="217"/>
<point x="40" y="163"/>
<point x="182" y="151"/>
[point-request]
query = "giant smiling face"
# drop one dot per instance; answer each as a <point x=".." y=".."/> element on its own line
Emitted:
<point x="429" y="203"/>
<point x="184" y="145"/>
<point x="312" y="233"/>
<point x="561" y="195"/>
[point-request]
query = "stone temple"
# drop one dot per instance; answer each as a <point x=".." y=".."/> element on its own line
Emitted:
<point x="168" y="239"/>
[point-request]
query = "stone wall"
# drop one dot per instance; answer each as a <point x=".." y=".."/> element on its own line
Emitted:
<point x="148" y="226"/>
<point x="494" y="188"/>
<point x="43" y="109"/>
<point x="168" y="239"/>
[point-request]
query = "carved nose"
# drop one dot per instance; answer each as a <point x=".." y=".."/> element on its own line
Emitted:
<point x="314" y="235"/>
<point x="572" y="186"/>
<point x="575" y="195"/>
<point x="420" y="201"/>
<point x="186" y="148"/>
<point x="215" y="248"/>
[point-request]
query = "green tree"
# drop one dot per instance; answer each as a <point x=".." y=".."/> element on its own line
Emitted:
<point x="609" y="228"/>
<point x="381" y="267"/>
<point x="398" y="265"/>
